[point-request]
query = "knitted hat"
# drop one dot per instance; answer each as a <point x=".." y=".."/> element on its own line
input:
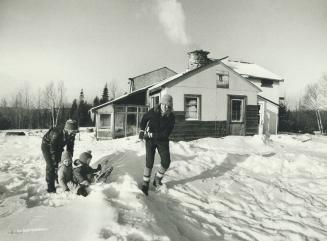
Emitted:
<point x="71" y="125"/>
<point x="85" y="156"/>
<point x="167" y="100"/>
<point x="66" y="156"/>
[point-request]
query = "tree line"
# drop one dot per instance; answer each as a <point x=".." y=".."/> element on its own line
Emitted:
<point x="310" y="113"/>
<point x="49" y="107"/>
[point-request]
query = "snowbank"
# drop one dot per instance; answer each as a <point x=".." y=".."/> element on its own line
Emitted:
<point x="232" y="188"/>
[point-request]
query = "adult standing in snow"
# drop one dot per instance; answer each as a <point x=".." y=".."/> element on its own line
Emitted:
<point x="53" y="143"/>
<point x="156" y="126"/>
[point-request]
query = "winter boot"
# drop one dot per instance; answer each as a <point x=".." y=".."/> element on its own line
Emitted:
<point x="145" y="188"/>
<point x="157" y="181"/>
<point x="51" y="188"/>
<point x="81" y="191"/>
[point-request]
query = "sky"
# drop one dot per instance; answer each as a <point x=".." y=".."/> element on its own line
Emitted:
<point x="87" y="44"/>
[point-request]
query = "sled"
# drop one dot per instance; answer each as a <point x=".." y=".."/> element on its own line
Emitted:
<point x="103" y="176"/>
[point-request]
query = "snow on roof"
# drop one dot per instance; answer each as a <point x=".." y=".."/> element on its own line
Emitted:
<point x="247" y="69"/>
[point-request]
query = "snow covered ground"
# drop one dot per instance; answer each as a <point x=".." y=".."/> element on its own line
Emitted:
<point x="232" y="188"/>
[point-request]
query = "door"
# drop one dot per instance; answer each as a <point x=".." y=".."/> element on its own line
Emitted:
<point x="131" y="124"/>
<point x="261" y="117"/>
<point x="236" y="115"/>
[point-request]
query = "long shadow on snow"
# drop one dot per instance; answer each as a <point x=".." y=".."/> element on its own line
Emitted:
<point x="229" y="163"/>
<point x="180" y="221"/>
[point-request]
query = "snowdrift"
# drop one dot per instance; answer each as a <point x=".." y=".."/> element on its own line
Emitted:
<point x="232" y="188"/>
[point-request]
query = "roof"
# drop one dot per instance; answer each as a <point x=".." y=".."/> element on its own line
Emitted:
<point x="186" y="73"/>
<point x="152" y="72"/>
<point x="120" y="98"/>
<point x="248" y="70"/>
<point x="190" y="72"/>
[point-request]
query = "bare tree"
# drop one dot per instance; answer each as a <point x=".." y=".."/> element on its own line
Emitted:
<point x="27" y="105"/>
<point x="18" y="106"/>
<point x="60" y="98"/>
<point x="3" y="102"/>
<point x="322" y="91"/>
<point x="54" y="98"/>
<point x="315" y="98"/>
<point x="38" y="102"/>
<point x="113" y="89"/>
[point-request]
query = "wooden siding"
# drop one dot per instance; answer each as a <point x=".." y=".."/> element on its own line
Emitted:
<point x="191" y="130"/>
<point x="252" y="120"/>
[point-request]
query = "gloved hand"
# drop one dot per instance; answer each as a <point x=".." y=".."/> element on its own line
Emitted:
<point x="99" y="167"/>
<point x="148" y="135"/>
<point x="141" y="135"/>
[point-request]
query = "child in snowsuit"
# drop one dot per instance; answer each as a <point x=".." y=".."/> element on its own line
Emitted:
<point x="83" y="173"/>
<point x="65" y="171"/>
<point x="156" y="126"/>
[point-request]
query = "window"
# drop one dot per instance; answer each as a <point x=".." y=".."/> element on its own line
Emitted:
<point x="267" y="83"/>
<point x="155" y="100"/>
<point x="222" y="79"/>
<point x="237" y="110"/>
<point x="105" y="120"/>
<point x="120" y="108"/>
<point x="192" y="107"/>
<point x="131" y="109"/>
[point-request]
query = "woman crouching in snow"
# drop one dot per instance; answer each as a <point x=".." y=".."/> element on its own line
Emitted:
<point x="65" y="171"/>
<point x="82" y="172"/>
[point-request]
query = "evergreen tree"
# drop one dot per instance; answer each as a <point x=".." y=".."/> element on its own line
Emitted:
<point x="105" y="95"/>
<point x="84" y="116"/>
<point x="283" y="118"/>
<point x="83" y="111"/>
<point x="74" y="111"/>
<point x="81" y="96"/>
<point x="96" y="101"/>
<point x="4" y="122"/>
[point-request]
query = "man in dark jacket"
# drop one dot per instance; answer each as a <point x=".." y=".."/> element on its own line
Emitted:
<point x="53" y="143"/>
<point x="156" y="126"/>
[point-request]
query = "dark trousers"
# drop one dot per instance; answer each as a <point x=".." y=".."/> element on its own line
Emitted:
<point x="50" y="170"/>
<point x="163" y="150"/>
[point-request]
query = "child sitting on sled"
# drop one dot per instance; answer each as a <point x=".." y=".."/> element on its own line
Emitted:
<point x="65" y="171"/>
<point x="84" y="174"/>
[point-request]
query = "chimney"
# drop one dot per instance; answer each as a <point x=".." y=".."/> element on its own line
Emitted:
<point x="197" y="58"/>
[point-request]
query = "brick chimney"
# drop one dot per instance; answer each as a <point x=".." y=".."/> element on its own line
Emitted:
<point x="197" y="58"/>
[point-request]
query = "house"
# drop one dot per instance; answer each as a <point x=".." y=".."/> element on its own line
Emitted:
<point x="121" y="117"/>
<point x="212" y="98"/>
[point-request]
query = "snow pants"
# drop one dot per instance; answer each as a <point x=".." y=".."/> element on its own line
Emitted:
<point x="163" y="150"/>
<point x="50" y="170"/>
